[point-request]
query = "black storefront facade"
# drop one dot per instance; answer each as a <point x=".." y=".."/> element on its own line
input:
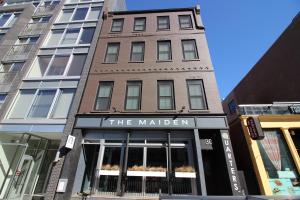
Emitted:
<point x="152" y="155"/>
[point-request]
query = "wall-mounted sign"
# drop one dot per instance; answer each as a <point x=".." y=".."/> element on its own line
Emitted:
<point x="254" y="128"/>
<point x="70" y="142"/>
<point x="62" y="185"/>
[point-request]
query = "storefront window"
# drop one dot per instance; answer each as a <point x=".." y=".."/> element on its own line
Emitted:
<point x="282" y="173"/>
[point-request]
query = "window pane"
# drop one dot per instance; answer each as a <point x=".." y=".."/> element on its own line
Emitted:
<point x="104" y="91"/>
<point x="197" y="103"/>
<point x="80" y="14"/>
<point x="132" y="104"/>
<point x="40" y="66"/>
<point x="14" y="19"/>
<point x="66" y="15"/>
<point x="195" y="90"/>
<point x="16" y="67"/>
<point x="165" y="90"/>
<point x="77" y="65"/>
<point x="64" y="103"/>
<point x="22" y="104"/>
<point x="71" y="36"/>
<point x="94" y="13"/>
<point x="58" y="65"/>
<point x="102" y="103"/>
<point x="2" y="99"/>
<point x="4" y="18"/>
<point x="164" y="50"/>
<point x="165" y="103"/>
<point x="55" y="37"/>
<point x="87" y="36"/>
<point x="42" y="104"/>
<point x="133" y="91"/>
<point x="117" y="25"/>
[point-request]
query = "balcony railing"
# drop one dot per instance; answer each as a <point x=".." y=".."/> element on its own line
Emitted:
<point x="45" y="10"/>
<point x="34" y="29"/>
<point x="6" y="79"/>
<point x="271" y="109"/>
<point x="19" y="52"/>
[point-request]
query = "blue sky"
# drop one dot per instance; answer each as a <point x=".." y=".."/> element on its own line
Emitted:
<point x="239" y="32"/>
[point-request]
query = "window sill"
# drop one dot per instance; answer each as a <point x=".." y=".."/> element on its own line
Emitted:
<point x="166" y="111"/>
<point x="158" y="61"/>
<point x="184" y="60"/>
<point x="52" y="78"/>
<point x="100" y="111"/>
<point x="109" y="62"/>
<point x="64" y="46"/>
<point x="138" y="31"/>
<point x="187" y="28"/>
<point x="78" y="21"/>
<point x="131" y="111"/>
<point x="198" y="111"/>
<point x="136" y="62"/>
<point x="84" y="2"/>
<point x="119" y="32"/>
<point x="157" y="30"/>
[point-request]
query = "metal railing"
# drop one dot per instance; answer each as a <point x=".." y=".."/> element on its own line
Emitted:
<point x="34" y="29"/>
<point x="45" y="10"/>
<point x="6" y="79"/>
<point x="271" y="109"/>
<point x="19" y="52"/>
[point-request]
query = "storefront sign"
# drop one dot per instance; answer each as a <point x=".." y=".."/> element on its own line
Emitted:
<point x="231" y="165"/>
<point x="254" y="128"/>
<point x="149" y="122"/>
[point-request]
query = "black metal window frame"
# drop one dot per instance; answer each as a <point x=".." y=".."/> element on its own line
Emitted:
<point x="158" y="23"/>
<point x="104" y="83"/>
<point x="143" y="52"/>
<point x="180" y="17"/>
<point x="195" y="50"/>
<point x="135" y="23"/>
<point x="139" y="97"/>
<point x="202" y="97"/>
<point x="169" y="52"/>
<point x="113" y="25"/>
<point x="111" y="44"/>
<point x="172" y="97"/>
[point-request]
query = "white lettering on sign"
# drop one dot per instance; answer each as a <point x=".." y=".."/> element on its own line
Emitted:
<point x="229" y="156"/>
<point x="148" y="122"/>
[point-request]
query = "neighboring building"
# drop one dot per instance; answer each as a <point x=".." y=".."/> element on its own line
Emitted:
<point x="46" y="48"/>
<point x="150" y="120"/>
<point x="275" y="161"/>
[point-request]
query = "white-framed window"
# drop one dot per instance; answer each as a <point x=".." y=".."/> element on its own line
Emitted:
<point x="42" y="103"/>
<point x="11" y="67"/>
<point x="43" y="19"/>
<point x="80" y="1"/>
<point x="8" y="19"/>
<point x="28" y="40"/>
<point x="58" y="65"/>
<point x="71" y="36"/>
<point x="80" y="14"/>
<point x="2" y="98"/>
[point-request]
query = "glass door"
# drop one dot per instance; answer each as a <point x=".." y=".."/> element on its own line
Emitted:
<point x="21" y="178"/>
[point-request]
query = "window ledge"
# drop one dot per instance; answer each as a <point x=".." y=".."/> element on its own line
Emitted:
<point x="187" y="28"/>
<point x="119" y="32"/>
<point x="52" y="78"/>
<point x="166" y="111"/>
<point x="109" y="62"/>
<point x="63" y="46"/>
<point x="136" y="62"/>
<point x="138" y="31"/>
<point x="99" y="111"/>
<point x="157" y="30"/>
<point x="184" y="60"/>
<point x="198" y="111"/>
<point x="79" y="21"/>
<point x="131" y="111"/>
<point x="158" y="61"/>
